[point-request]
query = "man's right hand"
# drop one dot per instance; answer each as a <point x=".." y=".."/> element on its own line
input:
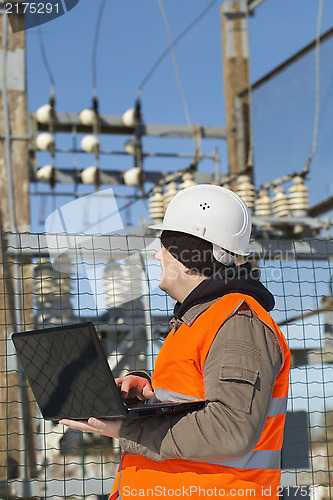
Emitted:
<point x="133" y="386"/>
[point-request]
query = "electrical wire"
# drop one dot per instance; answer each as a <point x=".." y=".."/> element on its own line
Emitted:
<point x="94" y="53"/>
<point x="317" y="90"/>
<point x="175" y="41"/>
<point x="175" y="64"/>
<point x="45" y="61"/>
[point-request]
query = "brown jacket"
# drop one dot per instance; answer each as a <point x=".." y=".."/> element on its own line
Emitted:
<point x="227" y="427"/>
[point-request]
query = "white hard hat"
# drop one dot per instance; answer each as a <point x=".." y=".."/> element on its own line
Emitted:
<point x="212" y="213"/>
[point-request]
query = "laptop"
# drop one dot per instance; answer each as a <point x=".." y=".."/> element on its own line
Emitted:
<point x="70" y="377"/>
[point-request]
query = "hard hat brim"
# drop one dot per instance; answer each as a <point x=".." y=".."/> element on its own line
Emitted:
<point x="161" y="226"/>
<point x="157" y="226"/>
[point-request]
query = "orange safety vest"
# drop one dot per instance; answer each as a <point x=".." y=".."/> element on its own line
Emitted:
<point x="179" y="373"/>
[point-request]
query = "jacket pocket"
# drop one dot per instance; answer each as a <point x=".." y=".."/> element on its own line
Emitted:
<point x="237" y="387"/>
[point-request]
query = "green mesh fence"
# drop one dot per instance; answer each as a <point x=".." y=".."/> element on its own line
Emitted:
<point x="119" y="294"/>
<point x="283" y="113"/>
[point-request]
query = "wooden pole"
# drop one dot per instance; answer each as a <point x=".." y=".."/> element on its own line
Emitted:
<point x="234" y="25"/>
<point x="17" y="426"/>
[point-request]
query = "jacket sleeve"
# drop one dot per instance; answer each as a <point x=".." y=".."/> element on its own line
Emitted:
<point x="239" y="374"/>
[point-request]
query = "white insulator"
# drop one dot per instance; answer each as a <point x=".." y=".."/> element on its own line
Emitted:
<point x="132" y="177"/>
<point x="88" y="117"/>
<point x="53" y="293"/>
<point x="188" y="181"/>
<point x="246" y="190"/>
<point x="44" y="288"/>
<point x="113" y="285"/>
<point x="45" y="270"/>
<point x="171" y="191"/>
<point x="89" y="175"/>
<point x="44" y="114"/>
<point x="45" y="142"/>
<point x="156" y="205"/>
<point x="280" y="202"/>
<point x="123" y="282"/>
<point x="299" y="197"/>
<point x="45" y="174"/>
<point x="131" y="145"/>
<point x="133" y="278"/>
<point x="263" y="204"/>
<point x="129" y="118"/>
<point x="52" y="288"/>
<point x="90" y="144"/>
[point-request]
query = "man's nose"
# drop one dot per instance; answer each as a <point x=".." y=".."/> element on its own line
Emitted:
<point x="158" y="255"/>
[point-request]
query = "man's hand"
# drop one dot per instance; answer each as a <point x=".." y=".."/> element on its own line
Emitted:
<point x="133" y="386"/>
<point x="108" y="428"/>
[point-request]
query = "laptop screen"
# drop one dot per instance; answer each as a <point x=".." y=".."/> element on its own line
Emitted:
<point x="66" y="373"/>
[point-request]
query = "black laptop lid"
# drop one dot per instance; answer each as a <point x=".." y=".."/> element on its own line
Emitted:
<point x="68" y="375"/>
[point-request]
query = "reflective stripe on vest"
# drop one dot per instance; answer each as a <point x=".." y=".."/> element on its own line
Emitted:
<point x="165" y="396"/>
<point x="260" y="459"/>
<point x="277" y="406"/>
<point x="178" y="375"/>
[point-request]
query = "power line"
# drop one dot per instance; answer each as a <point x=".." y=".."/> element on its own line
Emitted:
<point x="175" y="41"/>
<point x="94" y="54"/>
<point x="317" y="89"/>
<point x="175" y="64"/>
<point x="45" y="61"/>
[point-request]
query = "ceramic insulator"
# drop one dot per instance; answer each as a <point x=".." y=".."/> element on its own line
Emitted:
<point x="156" y="205"/>
<point x="45" y="142"/>
<point x="171" y="191"/>
<point x="188" y="181"/>
<point x="263" y="204"/>
<point x="280" y="203"/>
<point x="88" y="117"/>
<point x="246" y="190"/>
<point x="122" y="283"/>
<point x="299" y="197"/>
<point x="44" y="113"/>
<point x="90" y="144"/>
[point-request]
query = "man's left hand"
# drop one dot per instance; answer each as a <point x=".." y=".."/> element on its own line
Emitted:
<point x="108" y="428"/>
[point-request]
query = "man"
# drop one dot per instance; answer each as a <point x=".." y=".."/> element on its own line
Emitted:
<point x="225" y="348"/>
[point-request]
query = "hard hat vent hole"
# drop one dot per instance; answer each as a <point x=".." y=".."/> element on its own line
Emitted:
<point x="204" y="206"/>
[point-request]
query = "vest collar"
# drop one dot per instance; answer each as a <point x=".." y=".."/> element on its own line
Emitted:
<point x="191" y="314"/>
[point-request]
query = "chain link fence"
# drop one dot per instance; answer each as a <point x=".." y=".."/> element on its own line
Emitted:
<point x="42" y="460"/>
<point x="284" y="120"/>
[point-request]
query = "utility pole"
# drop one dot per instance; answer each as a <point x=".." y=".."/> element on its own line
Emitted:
<point x="235" y="47"/>
<point x="17" y="436"/>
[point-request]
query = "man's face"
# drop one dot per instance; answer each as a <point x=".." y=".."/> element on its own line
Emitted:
<point x="173" y="272"/>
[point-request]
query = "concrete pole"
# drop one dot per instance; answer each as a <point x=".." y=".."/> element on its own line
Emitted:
<point x="234" y="25"/>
